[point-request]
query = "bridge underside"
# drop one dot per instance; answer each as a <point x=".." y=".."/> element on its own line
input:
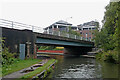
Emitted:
<point x="75" y="48"/>
<point x="61" y="42"/>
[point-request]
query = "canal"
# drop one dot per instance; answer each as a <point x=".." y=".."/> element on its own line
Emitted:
<point x="79" y="67"/>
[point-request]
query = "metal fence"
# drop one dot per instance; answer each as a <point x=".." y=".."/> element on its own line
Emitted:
<point x="64" y="34"/>
<point x="21" y="26"/>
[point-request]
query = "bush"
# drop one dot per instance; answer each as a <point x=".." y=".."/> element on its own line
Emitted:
<point x="8" y="58"/>
<point x="109" y="56"/>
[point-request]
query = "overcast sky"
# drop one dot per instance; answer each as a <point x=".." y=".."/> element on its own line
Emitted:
<point x="45" y="12"/>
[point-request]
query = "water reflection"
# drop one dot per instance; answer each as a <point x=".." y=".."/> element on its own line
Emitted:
<point x="78" y="67"/>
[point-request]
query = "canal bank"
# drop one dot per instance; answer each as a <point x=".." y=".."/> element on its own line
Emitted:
<point x="40" y="71"/>
<point x="32" y="71"/>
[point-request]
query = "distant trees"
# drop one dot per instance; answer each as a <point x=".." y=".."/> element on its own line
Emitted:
<point x="73" y="32"/>
<point x="108" y="38"/>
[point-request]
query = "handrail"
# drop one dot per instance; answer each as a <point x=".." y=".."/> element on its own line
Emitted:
<point x="21" y="26"/>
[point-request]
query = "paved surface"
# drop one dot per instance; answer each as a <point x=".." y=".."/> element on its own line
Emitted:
<point x="20" y="73"/>
<point x="88" y="56"/>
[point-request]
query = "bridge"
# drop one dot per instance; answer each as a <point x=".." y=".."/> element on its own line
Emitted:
<point x="19" y="33"/>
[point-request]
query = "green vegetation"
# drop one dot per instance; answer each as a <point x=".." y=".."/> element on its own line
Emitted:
<point x="38" y="70"/>
<point x="7" y="57"/>
<point x="109" y="56"/>
<point x="0" y="57"/>
<point x="73" y="32"/>
<point x="108" y="38"/>
<point x="48" y="71"/>
<point x="18" y="65"/>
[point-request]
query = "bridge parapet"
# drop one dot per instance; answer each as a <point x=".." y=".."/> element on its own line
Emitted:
<point x="54" y="37"/>
<point x="21" y="26"/>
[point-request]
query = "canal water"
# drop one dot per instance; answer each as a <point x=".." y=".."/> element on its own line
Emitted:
<point x="80" y="67"/>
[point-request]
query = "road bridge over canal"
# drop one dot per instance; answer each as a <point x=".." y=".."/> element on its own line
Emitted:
<point x="15" y="37"/>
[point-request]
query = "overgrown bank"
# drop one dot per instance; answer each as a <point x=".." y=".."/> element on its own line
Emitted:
<point x="39" y="70"/>
<point x="11" y="63"/>
<point x="108" y="37"/>
<point x="109" y="56"/>
<point x="18" y="65"/>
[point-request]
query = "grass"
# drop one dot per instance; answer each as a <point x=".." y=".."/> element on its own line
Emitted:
<point x="21" y="64"/>
<point x="38" y="70"/>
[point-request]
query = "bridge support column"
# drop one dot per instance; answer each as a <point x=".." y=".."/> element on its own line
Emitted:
<point x="35" y="51"/>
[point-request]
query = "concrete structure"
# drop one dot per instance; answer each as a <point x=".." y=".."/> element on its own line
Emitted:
<point x="16" y="37"/>
<point x="86" y="30"/>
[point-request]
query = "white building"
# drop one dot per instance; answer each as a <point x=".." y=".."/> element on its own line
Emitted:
<point x="59" y="26"/>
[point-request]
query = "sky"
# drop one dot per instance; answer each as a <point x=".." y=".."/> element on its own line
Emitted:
<point x="43" y="13"/>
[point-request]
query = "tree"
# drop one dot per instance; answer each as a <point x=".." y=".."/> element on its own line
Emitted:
<point x="73" y="32"/>
<point x="109" y="37"/>
<point x="106" y="36"/>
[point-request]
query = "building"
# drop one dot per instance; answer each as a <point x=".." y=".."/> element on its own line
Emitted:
<point x="59" y="26"/>
<point x="86" y="30"/>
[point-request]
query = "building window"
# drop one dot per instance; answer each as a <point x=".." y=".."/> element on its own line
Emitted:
<point x="86" y="38"/>
<point x="89" y="33"/>
<point x="93" y="28"/>
<point x="83" y="38"/>
<point x="55" y="26"/>
<point x="86" y="34"/>
<point x="85" y="28"/>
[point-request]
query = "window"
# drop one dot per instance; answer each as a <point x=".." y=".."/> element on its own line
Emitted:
<point x="83" y="37"/>
<point x="86" y="34"/>
<point x="93" y="28"/>
<point x="89" y="33"/>
<point x="85" y="28"/>
<point x="86" y="38"/>
<point x="89" y="28"/>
